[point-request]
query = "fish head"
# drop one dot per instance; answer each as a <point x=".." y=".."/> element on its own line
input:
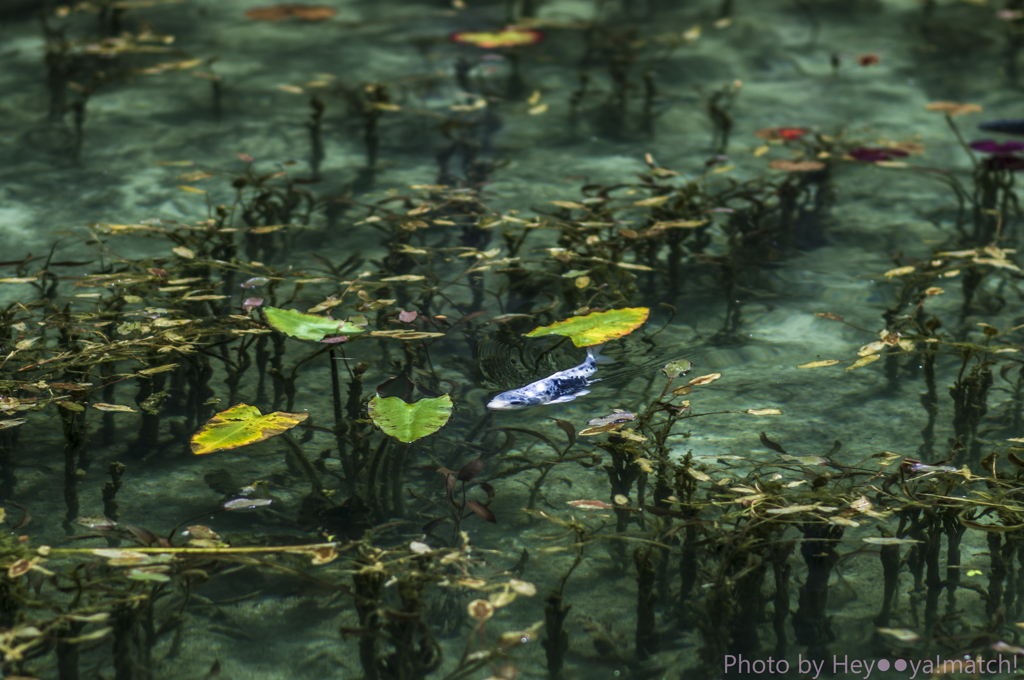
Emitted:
<point x="511" y="401"/>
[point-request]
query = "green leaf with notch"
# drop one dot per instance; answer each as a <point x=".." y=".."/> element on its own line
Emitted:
<point x="409" y="422"/>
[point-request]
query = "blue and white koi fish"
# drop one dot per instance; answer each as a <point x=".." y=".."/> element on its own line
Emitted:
<point x="557" y="388"/>
<point x="1008" y="126"/>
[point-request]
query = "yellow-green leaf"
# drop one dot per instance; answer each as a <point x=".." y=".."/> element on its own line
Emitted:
<point x="308" y="326"/>
<point x="409" y="422"/>
<point x="593" y="329"/>
<point x="241" y="425"/>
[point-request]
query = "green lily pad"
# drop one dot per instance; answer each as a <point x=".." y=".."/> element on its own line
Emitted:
<point x="675" y="369"/>
<point x="593" y="329"/>
<point x="308" y="326"/>
<point x="241" y="425"/>
<point x="409" y="422"/>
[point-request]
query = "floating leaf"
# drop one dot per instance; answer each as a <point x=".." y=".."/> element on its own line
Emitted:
<point x="289" y="10"/>
<point x="900" y="271"/>
<point x="241" y="425"/>
<point x="184" y="252"/>
<point x="593" y="329"/>
<point x="307" y="326"/>
<point x="653" y="201"/>
<point x="705" y="379"/>
<point x="148" y="575"/>
<point x="901" y="634"/>
<point x="888" y="540"/>
<point x="11" y="422"/>
<point x="522" y="587"/>
<point x="793" y="509"/>
<point x="512" y="36"/>
<point x="405" y="277"/>
<point x="819" y="364"/>
<point x="863" y="361"/>
<point x="677" y="368"/>
<point x="796" y="166"/>
<point x="953" y="108"/>
<point x="405" y="335"/>
<point x="118" y="408"/>
<point x="600" y="429"/>
<point x="409" y="422"/>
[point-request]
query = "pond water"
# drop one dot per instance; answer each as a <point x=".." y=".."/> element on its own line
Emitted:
<point x="788" y="187"/>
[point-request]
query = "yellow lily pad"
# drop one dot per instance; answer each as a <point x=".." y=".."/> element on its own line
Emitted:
<point x="595" y="328"/>
<point x="241" y="425"/>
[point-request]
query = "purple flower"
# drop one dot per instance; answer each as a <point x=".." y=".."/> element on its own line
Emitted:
<point x="998" y="148"/>
<point x="873" y="155"/>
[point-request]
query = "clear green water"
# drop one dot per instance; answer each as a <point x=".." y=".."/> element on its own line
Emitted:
<point x="256" y="623"/>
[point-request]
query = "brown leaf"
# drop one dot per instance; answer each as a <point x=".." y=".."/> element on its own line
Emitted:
<point x="143" y="534"/>
<point x="796" y="166"/>
<point x="567" y="428"/>
<point x="599" y="429"/>
<point x="953" y="108"/>
<point x="288" y="10"/>
<point x="471" y="470"/>
<point x="770" y="444"/>
<point x="482" y="510"/>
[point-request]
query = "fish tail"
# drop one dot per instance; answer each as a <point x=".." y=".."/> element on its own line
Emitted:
<point x="594" y="352"/>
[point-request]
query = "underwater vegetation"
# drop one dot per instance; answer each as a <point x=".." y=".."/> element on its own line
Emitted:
<point x="280" y="430"/>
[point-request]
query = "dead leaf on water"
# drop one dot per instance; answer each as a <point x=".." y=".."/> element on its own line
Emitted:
<point x="796" y="166"/>
<point x="901" y="634"/>
<point x="899" y="271"/>
<point x="118" y="408"/>
<point x="819" y="364"/>
<point x="863" y="361"/>
<point x="953" y="108"/>
<point x="654" y="201"/>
